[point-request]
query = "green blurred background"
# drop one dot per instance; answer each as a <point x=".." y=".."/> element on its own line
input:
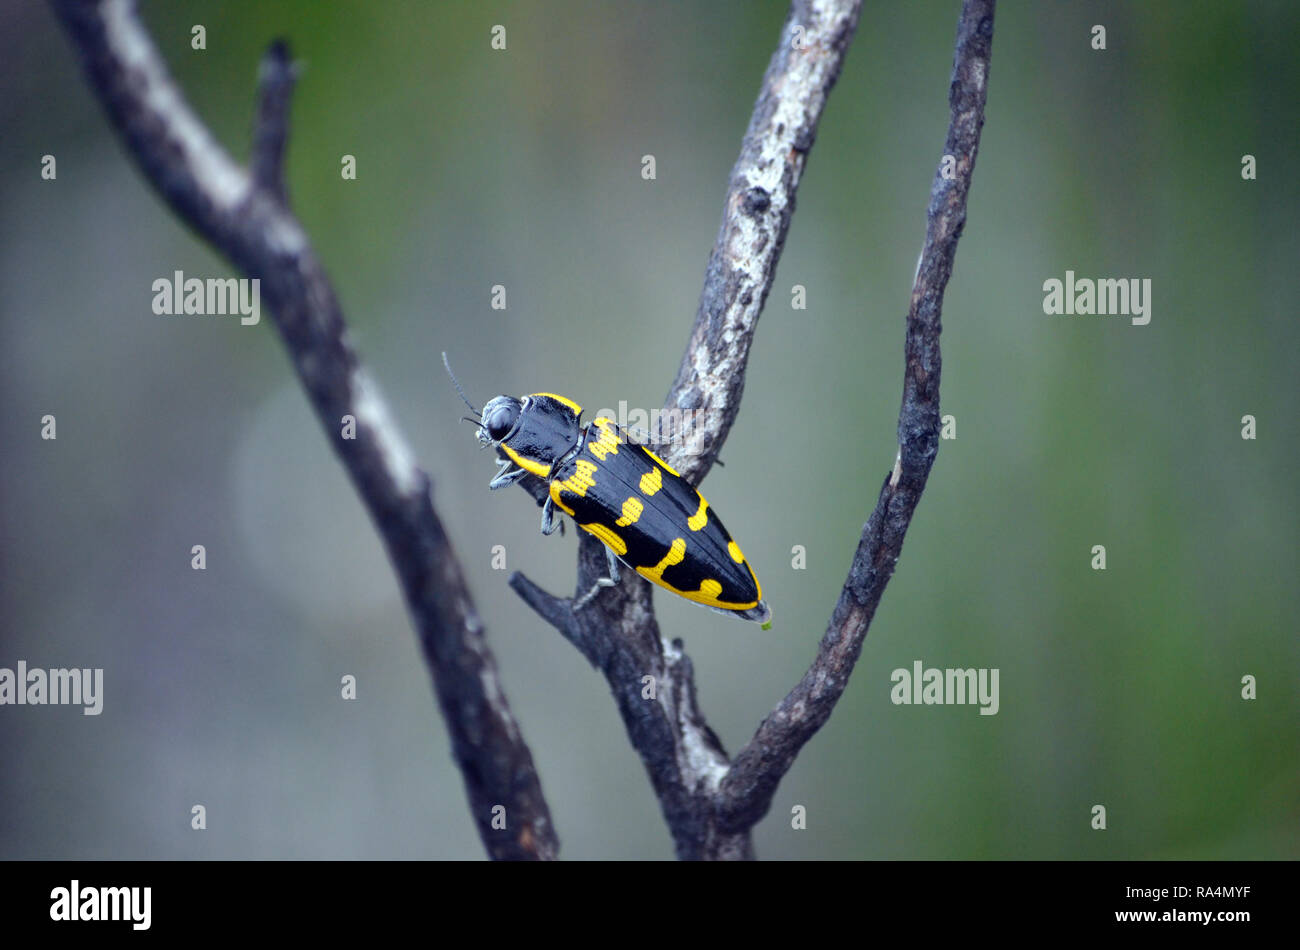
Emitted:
<point x="522" y="168"/>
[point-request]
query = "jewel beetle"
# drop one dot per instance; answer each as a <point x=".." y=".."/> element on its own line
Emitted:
<point x="647" y="516"/>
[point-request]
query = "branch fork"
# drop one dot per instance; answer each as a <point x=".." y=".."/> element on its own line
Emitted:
<point x="710" y="801"/>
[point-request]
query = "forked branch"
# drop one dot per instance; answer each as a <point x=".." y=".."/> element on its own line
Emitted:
<point x="243" y="214"/>
<point x="712" y="803"/>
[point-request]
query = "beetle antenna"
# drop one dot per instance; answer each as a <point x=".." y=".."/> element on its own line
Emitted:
<point x="455" y="382"/>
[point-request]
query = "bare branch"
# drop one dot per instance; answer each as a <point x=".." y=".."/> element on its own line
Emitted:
<point x="747" y="790"/>
<point x="243" y="216"/>
<point x="682" y="757"/>
<point x="271" y="129"/>
<point x="755" y="220"/>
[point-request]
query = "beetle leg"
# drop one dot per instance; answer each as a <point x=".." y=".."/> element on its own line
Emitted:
<point x="611" y="562"/>
<point x="586" y="598"/>
<point x="550" y="523"/>
<point x="504" y="477"/>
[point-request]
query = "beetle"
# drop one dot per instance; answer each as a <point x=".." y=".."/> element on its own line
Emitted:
<point x="647" y="515"/>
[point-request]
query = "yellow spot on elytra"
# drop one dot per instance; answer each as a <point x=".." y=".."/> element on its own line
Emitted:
<point x="606" y="535"/>
<point x="581" y="479"/>
<point x="555" y="497"/>
<point x="607" y="444"/>
<point x="651" y="482"/>
<point x="734" y="550"/>
<point x="632" y="509"/>
<point x="576" y="484"/>
<point x="698" y="520"/>
<point x="710" y="589"/>
<point x="676" y="554"/>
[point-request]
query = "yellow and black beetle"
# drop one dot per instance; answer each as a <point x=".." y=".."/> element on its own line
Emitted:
<point x="645" y="514"/>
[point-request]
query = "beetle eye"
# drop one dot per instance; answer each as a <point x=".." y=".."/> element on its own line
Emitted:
<point x="500" y="419"/>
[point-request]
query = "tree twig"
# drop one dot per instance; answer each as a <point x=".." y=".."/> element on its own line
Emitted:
<point x="244" y="216"/>
<point x="747" y="790"/>
<point x="755" y="220"/>
<point x="271" y="126"/>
